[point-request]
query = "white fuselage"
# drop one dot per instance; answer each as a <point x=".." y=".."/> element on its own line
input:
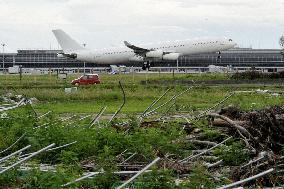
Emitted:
<point x="185" y="47"/>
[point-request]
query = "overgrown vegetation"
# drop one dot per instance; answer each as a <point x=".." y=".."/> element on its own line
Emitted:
<point x="254" y="75"/>
<point x="104" y="147"/>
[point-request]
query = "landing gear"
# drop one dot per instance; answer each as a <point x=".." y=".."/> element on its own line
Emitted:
<point x="219" y="56"/>
<point x="146" y="65"/>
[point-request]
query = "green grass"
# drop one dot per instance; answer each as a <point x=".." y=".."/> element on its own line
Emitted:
<point x="90" y="99"/>
<point x="51" y="81"/>
<point x="103" y="142"/>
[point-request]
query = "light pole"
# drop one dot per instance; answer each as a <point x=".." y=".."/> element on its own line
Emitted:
<point x="84" y="44"/>
<point x="3" y="45"/>
<point x="281" y="43"/>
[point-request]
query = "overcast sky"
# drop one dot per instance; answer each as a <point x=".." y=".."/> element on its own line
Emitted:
<point x="27" y="24"/>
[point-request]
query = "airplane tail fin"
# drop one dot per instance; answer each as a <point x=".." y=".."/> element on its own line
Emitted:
<point x="66" y="42"/>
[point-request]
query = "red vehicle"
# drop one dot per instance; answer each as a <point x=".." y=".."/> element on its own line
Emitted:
<point x="87" y="79"/>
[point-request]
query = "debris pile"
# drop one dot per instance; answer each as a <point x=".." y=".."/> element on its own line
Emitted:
<point x="263" y="133"/>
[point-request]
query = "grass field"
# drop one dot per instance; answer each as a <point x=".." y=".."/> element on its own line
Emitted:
<point x="90" y="99"/>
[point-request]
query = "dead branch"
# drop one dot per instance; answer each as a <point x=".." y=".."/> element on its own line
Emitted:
<point x="204" y="152"/>
<point x="14" y="153"/>
<point x="80" y="119"/>
<point x="200" y="151"/>
<point x="22" y="102"/>
<point x="128" y="158"/>
<point x="119" y="155"/>
<point x="222" y="123"/>
<point x="208" y="157"/>
<point x="262" y="156"/>
<point x="63" y="146"/>
<point x="196" y="118"/>
<point x="51" y="149"/>
<point x="26" y="158"/>
<point x="139" y="173"/>
<point x="68" y="118"/>
<point x="162" y="105"/>
<point x="13" y="143"/>
<point x="211" y="165"/>
<point x="208" y="143"/>
<point x="155" y="102"/>
<point x="43" y="115"/>
<point x="123" y="103"/>
<point x="96" y="119"/>
<point x="232" y="123"/>
<point x="247" y="179"/>
<point x="91" y="174"/>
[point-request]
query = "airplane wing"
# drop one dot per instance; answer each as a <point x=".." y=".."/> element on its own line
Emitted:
<point x="137" y="50"/>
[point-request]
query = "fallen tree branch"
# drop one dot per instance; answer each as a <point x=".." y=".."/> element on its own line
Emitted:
<point x="162" y="105"/>
<point x="121" y="153"/>
<point x="43" y="115"/>
<point x="154" y="102"/>
<point x="91" y="174"/>
<point x="51" y="149"/>
<point x="232" y="123"/>
<point x="208" y="143"/>
<point x="247" y="179"/>
<point x="80" y="119"/>
<point x="96" y="119"/>
<point x="139" y="173"/>
<point x="14" y="153"/>
<point x="27" y="158"/>
<point x="263" y="156"/>
<point x="196" y="118"/>
<point x="13" y="143"/>
<point x="123" y="103"/>
<point x="211" y="165"/>
<point x="204" y="152"/>
<point x="20" y="103"/>
<point x="128" y="158"/>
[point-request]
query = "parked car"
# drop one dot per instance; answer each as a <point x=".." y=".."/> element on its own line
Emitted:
<point x="87" y="79"/>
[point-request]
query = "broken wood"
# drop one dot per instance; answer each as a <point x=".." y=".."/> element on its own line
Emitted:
<point x="247" y="179"/>
<point x="139" y="173"/>
<point x="96" y="119"/>
<point x="155" y="102"/>
<point x="204" y="152"/>
<point x="123" y="103"/>
<point x="13" y="143"/>
<point x="26" y="158"/>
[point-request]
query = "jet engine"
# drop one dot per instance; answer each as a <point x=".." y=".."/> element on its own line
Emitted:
<point x="154" y="54"/>
<point x="171" y="56"/>
<point x="136" y="58"/>
<point x="62" y="55"/>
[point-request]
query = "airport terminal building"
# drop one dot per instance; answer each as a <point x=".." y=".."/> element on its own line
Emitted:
<point x="238" y="57"/>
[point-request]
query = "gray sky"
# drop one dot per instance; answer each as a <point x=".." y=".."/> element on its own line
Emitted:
<point x="27" y="24"/>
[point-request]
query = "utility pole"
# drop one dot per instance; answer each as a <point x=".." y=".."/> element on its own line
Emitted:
<point x="3" y="66"/>
<point x="84" y="44"/>
<point x="281" y="43"/>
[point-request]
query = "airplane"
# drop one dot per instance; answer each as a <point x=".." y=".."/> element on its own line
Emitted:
<point x="141" y="53"/>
